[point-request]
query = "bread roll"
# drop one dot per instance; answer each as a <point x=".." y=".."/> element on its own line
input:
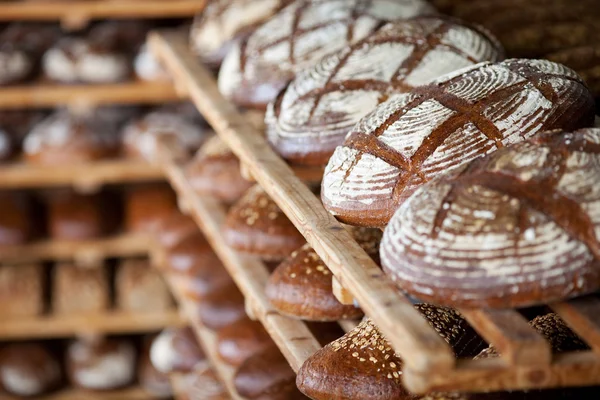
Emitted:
<point x="139" y="288"/>
<point x="78" y="290"/>
<point x="241" y="340"/>
<point x="176" y="350"/>
<point x="173" y="229"/>
<point x="221" y="308"/>
<point x="21" y="290"/>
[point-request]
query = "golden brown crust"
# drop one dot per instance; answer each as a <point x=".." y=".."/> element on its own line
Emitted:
<point x="146" y="206"/>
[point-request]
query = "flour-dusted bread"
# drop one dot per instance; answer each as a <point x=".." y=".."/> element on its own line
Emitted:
<point x="139" y="288"/>
<point x="313" y="115"/>
<point x="583" y="59"/>
<point x="80" y="290"/>
<point x="412" y="138"/>
<point x="256" y="69"/>
<point x="222" y="22"/>
<point x="176" y="350"/>
<point x="515" y="228"/>
<point x="21" y="290"/>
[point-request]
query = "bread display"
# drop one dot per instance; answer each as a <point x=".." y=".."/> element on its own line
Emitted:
<point x="412" y="138"/>
<point x="139" y="288"/>
<point x="79" y="290"/>
<point x="28" y="369"/>
<point x="174" y="229"/>
<point x="256" y="69"/>
<point x="105" y="364"/>
<point x="256" y="225"/>
<point x="241" y="340"/>
<point x="176" y="350"/>
<point x="222" y="22"/>
<point x="63" y="138"/>
<point x="21" y="290"/>
<point x="16" y="225"/>
<point x="301" y="286"/>
<point x="146" y="206"/>
<point x="215" y="171"/>
<point x="74" y="216"/>
<point x="312" y="116"/>
<point x="513" y="229"/>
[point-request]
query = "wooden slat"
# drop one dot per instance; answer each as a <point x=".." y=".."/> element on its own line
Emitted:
<point x="511" y="335"/>
<point x="52" y="95"/>
<point x="412" y="337"/>
<point x="567" y="369"/>
<point x="84" y="177"/>
<point x="110" y="322"/>
<point x="131" y="393"/>
<point x="86" y="252"/>
<point x="583" y="316"/>
<point x="348" y="325"/>
<point x="249" y="273"/>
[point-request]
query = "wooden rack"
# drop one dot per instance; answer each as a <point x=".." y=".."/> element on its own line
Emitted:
<point x="84" y="252"/>
<point x="40" y="95"/>
<point x="108" y="322"/>
<point x="429" y="363"/>
<point x="90" y="177"/>
<point x="131" y="393"/>
<point x="76" y="14"/>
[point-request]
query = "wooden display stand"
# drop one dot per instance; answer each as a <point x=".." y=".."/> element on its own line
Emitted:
<point x="430" y="365"/>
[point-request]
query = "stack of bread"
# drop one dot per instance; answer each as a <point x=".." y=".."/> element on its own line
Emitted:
<point x="480" y="169"/>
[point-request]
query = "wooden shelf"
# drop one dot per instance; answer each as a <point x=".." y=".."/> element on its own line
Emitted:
<point x="429" y="363"/>
<point x="131" y="393"/>
<point x="40" y="95"/>
<point x="87" y="178"/>
<point x="84" y="252"/>
<point x="76" y="14"/>
<point x="110" y="322"/>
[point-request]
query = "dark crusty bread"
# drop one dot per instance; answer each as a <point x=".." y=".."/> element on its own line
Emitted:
<point x="256" y="69"/>
<point x="215" y="171"/>
<point x="22" y="290"/>
<point x="361" y="365"/>
<point x="28" y="369"/>
<point x="241" y="340"/>
<point x="146" y="206"/>
<point x="73" y="216"/>
<point x="140" y="288"/>
<point x="315" y="112"/>
<point x="79" y="290"/>
<point x="266" y="376"/>
<point x="202" y="384"/>
<point x="173" y="229"/>
<point x="256" y="225"/>
<point x="301" y="286"/>
<point x="411" y="139"/>
<point x="515" y="228"/>
<point x="221" y="308"/>
<point x="176" y="350"/>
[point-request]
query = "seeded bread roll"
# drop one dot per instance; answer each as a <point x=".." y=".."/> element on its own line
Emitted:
<point x="28" y="369"/>
<point x="222" y="22"/>
<point x="215" y="171"/>
<point x="410" y="139"/>
<point x="15" y="219"/>
<point x="63" y="138"/>
<point x="79" y="290"/>
<point x="173" y="229"/>
<point x="21" y="290"/>
<point x="301" y="286"/>
<point x="74" y="216"/>
<point x="152" y="381"/>
<point x="139" y="288"/>
<point x="512" y="229"/>
<point x="176" y="350"/>
<point x="256" y="225"/>
<point x="103" y="365"/>
<point x="146" y="206"/>
<point x="315" y="112"/>
<point x="239" y="341"/>
<point x="256" y="69"/>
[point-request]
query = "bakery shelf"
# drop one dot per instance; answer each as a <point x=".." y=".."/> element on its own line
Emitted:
<point x="131" y="393"/>
<point x="84" y="252"/>
<point x="44" y="94"/>
<point x="526" y="361"/>
<point x="88" y="178"/>
<point x="109" y="322"/>
<point x="293" y="338"/>
<point x="76" y="14"/>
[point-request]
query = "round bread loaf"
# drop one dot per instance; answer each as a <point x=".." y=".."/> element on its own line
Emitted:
<point x="173" y="229"/>
<point x="412" y="138"/>
<point x="301" y="286"/>
<point x="256" y="69"/>
<point x="241" y="340"/>
<point x="221" y="308"/>
<point x="147" y="206"/>
<point x="104" y="365"/>
<point x="28" y="369"/>
<point x="74" y="216"/>
<point x="64" y="138"/>
<point x="215" y="171"/>
<point x="222" y="22"/>
<point x="176" y="350"/>
<point x="256" y="225"/>
<point x="202" y="384"/>
<point x="512" y="229"/>
<point x="315" y="112"/>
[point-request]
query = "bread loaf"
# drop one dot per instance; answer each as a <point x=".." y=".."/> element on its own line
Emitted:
<point x="512" y="229"/>
<point x="315" y="112"/>
<point x="176" y="350"/>
<point x="241" y="340"/>
<point x="202" y="384"/>
<point x="583" y="59"/>
<point x="74" y="216"/>
<point x="173" y="229"/>
<point x="78" y="290"/>
<point x="222" y="22"/>
<point x="146" y="206"/>
<point x="256" y="69"/>
<point x="221" y="308"/>
<point x="139" y="288"/>
<point x="412" y="138"/>
<point x="21" y="290"/>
